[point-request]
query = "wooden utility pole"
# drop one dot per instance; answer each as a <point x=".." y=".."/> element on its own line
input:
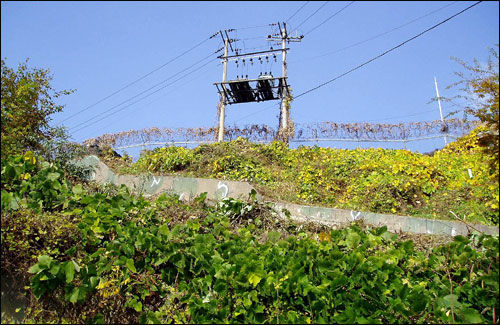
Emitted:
<point x="284" y="38"/>
<point x="264" y="87"/>
<point x="284" y="112"/>
<point x="222" y="105"/>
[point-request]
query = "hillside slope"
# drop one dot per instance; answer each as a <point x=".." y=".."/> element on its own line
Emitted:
<point x="456" y="178"/>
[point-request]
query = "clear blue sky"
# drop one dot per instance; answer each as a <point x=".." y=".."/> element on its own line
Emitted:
<point x="100" y="47"/>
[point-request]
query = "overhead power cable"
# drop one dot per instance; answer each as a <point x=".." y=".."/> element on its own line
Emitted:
<point x="324" y="4"/>
<point x="266" y="108"/>
<point x="335" y="14"/>
<point x="388" y="51"/>
<point x="137" y="80"/>
<point x="297" y="11"/>
<point x="250" y="27"/>
<point x="154" y="92"/>
<point x="261" y="110"/>
<point x="378" y="35"/>
<point x="165" y="94"/>
<point x="137" y="95"/>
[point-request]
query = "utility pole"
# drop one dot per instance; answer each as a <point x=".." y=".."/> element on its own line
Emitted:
<point x="262" y="88"/>
<point x="284" y="38"/>
<point x="440" y="110"/>
<point x="222" y="104"/>
<point x="284" y="112"/>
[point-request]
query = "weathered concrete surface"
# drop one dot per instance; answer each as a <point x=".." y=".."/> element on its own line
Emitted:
<point x="188" y="188"/>
<point x="394" y="223"/>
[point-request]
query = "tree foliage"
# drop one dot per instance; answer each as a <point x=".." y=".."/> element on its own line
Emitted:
<point x="26" y="105"/>
<point x="479" y="82"/>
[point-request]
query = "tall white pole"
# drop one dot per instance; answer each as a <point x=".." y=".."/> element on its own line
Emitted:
<point x="440" y="110"/>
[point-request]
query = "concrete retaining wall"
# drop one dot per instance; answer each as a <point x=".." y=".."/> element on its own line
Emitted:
<point x="188" y="188"/>
<point x="394" y="223"/>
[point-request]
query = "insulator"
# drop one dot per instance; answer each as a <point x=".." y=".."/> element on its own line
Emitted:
<point x="251" y="61"/>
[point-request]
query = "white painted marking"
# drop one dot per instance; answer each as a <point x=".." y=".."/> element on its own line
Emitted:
<point x="354" y="218"/>
<point x="155" y="181"/>
<point x="220" y="185"/>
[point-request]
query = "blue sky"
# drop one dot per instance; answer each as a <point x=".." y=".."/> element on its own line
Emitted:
<point x="99" y="47"/>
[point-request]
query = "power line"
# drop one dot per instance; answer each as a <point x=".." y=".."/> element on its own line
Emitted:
<point x="137" y="80"/>
<point x="297" y="11"/>
<point x="377" y="36"/>
<point x="324" y="4"/>
<point x="386" y="52"/>
<point x="335" y="14"/>
<point x="261" y="110"/>
<point x="129" y="99"/>
<point x="121" y="109"/>
<point x="163" y="95"/>
<point x="251" y="27"/>
<point x="401" y="116"/>
<point x="371" y="59"/>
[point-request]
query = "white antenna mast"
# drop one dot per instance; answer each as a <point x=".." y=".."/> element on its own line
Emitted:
<point x="440" y="110"/>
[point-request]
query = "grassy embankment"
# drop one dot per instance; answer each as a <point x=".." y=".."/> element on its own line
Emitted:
<point x="104" y="255"/>
<point x="375" y="180"/>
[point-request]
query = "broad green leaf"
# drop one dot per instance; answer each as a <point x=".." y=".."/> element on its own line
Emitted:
<point x="93" y="281"/>
<point x="451" y="299"/>
<point x="44" y="261"/>
<point x="54" y="269"/>
<point x="77" y="267"/>
<point x="130" y="265"/>
<point x="78" y="189"/>
<point x="352" y="240"/>
<point x="70" y="271"/>
<point x="254" y="279"/>
<point x="163" y="230"/>
<point x="273" y="236"/>
<point x="35" y="269"/>
<point x="471" y="316"/>
<point x="74" y="295"/>
<point x="53" y="176"/>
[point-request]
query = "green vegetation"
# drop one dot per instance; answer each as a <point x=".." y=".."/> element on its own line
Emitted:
<point x="107" y="256"/>
<point x="100" y="254"/>
<point x="26" y="106"/>
<point x="376" y="180"/>
<point x="479" y="84"/>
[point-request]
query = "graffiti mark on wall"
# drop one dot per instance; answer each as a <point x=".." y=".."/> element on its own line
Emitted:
<point x="222" y="185"/>
<point x="155" y="181"/>
<point x="355" y="217"/>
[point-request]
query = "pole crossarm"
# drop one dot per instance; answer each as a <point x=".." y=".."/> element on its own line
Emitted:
<point x="251" y="54"/>
<point x="263" y="88"/>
